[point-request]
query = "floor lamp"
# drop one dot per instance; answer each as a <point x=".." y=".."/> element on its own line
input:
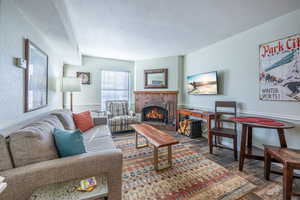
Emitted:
<point x="71" y="84"/>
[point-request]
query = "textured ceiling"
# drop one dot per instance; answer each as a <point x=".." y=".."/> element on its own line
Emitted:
<point x="141" y="29"/>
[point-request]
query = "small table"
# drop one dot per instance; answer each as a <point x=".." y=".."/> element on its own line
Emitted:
<point x="157" y="138"/>
<point x="246" y="137"/>
<point x="208" y="116"/>
<point x="67" y="191"/>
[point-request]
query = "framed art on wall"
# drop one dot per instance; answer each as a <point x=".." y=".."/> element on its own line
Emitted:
<point x="156" y="78"/>
<point x="279" y="69"/>
<point x="36" y="77"/>
<point x="85" y="77"/>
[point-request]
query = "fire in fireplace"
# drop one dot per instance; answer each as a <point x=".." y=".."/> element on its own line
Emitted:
<point x="155" y="113"/>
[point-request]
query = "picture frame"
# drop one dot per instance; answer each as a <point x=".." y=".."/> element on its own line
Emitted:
<point x="85" y="77"/>
<point x="156" y="78"/>
<point x="203" y="83"/>
<point x="36" y="77"/>
<point x="279" y="69"/>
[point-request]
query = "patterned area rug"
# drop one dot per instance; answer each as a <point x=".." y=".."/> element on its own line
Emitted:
<point x="192" y="176"/>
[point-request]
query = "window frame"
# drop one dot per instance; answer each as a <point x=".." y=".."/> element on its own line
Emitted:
<point x="101" y="89"/>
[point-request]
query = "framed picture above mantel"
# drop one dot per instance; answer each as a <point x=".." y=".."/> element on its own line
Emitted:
<point x="156" y="78"/>
<point x="36" y="77"/>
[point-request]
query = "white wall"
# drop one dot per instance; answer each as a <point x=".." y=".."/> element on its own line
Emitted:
<point x="236" y="59"/>
<point x="14" y="28"/>
<point x="89" y="97"/>
<point x="174" y="64"/>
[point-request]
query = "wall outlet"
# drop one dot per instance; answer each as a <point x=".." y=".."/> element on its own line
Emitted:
<point x="20" y="62"/>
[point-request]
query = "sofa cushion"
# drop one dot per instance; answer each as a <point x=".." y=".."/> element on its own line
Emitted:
<point x="83" y="121"/>
<point x="69" y="143"/>
<point x="99" y="144"/>
<point x="66" y="118"/>
<point x="34" y="143"/>
<point x="97" y="131"/>
<point x="5" y="160"/>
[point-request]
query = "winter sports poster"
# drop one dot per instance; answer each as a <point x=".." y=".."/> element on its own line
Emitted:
<point x="279" y="69"/>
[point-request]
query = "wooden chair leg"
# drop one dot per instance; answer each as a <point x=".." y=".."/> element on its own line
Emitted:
<point x="267" y="165"/>
<point x="287" y="182"/>
<point x="243" y="147"/>
<point x="155" y="154"/>
<point x="235" y="151"/>
<point x="210" y="142"/>
<point x="215" y="140"/>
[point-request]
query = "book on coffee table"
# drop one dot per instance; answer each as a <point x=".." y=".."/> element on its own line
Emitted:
<point x="2" y="187"/>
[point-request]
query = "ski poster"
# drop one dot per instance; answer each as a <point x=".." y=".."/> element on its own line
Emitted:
<point x="279" y="69"/>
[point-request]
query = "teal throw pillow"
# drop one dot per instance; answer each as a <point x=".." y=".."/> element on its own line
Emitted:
<point x="68" y="143"/>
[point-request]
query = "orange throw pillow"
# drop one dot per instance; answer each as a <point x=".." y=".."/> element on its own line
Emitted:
<point x="83" y="121"/>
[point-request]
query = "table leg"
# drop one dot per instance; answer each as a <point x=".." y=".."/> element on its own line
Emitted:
<point x="209" y="135"/>
<point x="155" y="154"/>
<point x="177" y="120"/>
<point x="281" y="136"/>
<point x="136" y="139"/>
<point x="137" y="146"/>
<point x="267" y="165"/>
<point x="249" y="139"/>
<point x="170" y="155"/>
<point x="243" y="147"/>
<point x="218" y="137"/>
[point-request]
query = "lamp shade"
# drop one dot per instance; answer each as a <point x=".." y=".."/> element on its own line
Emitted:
<point x="71" y="84"/>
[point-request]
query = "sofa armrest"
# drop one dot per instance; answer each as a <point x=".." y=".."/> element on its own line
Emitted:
<point x="23" y="180"/>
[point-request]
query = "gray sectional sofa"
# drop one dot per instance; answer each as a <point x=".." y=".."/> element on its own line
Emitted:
<point x="29" y="159"/>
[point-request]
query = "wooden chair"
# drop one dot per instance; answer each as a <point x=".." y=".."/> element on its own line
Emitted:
<point x="219" y="130"/>
<point x="290" y="158"/>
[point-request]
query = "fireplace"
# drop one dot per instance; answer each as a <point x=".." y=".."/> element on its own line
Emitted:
<point x="155" y="114"/>
<point x="165" y="102"/>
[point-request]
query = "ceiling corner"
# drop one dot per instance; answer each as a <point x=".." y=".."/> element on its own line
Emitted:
<point x="63" y="12"/>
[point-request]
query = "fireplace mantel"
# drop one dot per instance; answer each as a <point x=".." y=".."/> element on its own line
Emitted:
<point x="155" y="92"/>
<point x="164" y="98"/>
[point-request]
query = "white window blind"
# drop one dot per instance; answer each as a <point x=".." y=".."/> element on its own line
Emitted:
<point x="114" y="86"/>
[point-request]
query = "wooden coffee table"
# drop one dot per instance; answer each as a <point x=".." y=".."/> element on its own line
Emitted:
<point x="157" y="139"/>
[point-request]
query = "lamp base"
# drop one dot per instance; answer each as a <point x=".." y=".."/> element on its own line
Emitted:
<point x="71" y="103"/>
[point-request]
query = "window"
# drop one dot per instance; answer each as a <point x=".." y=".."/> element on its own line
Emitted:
<point x="114" y="86"/>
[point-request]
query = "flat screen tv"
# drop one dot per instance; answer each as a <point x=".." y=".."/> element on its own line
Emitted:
<point x="204" y="83"/>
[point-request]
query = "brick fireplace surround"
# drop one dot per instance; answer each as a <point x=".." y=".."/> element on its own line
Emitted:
<point x="164" y="99"/>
